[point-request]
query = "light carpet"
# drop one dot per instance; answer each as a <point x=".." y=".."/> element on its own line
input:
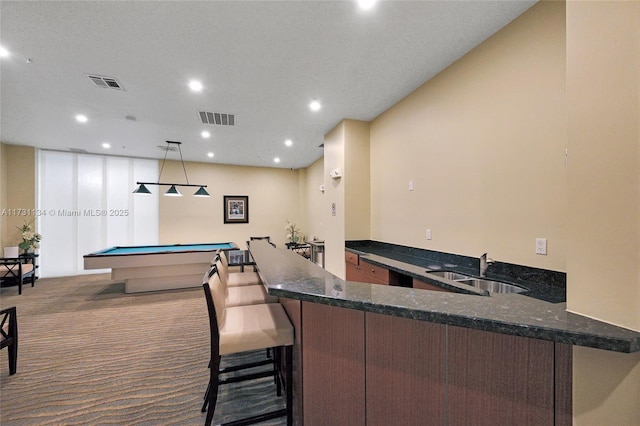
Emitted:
<point x="89" y="354"/>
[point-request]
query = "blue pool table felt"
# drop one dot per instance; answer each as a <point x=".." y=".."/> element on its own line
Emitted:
<point x="169" y="248"/>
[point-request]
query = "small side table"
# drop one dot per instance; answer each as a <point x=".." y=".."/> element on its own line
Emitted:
<point x="32" y="258"/>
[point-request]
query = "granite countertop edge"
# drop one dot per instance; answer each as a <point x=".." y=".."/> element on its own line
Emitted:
<point x="288" y="275"/>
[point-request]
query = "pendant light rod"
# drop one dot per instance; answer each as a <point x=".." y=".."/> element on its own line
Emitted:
<point x="142" y="189"/>
<point x="170" y="184"/>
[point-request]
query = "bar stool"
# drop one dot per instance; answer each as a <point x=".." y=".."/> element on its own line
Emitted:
<point x="234" y="279"/>
<point x="240" y="295"/>
<point x="246" y="328"/>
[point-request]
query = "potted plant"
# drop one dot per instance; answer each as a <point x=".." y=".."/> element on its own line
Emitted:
<point x="293" y="232"/>
<point x="30" y="238"/>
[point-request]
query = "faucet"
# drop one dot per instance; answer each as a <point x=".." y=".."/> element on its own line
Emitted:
<point x="484" y="264"/>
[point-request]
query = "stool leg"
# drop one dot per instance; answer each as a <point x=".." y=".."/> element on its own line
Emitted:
<point x="213" y="391"/>
<point x="277" y="363"/>
<point x="289" y="383"/>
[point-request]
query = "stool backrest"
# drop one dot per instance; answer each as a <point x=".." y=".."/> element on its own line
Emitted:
<point x="213" y="321"/>
<point x="224" y="275"/>
<point x="219" y="298"/>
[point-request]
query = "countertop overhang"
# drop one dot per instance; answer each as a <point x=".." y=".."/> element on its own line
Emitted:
<point x="287" y="274"/>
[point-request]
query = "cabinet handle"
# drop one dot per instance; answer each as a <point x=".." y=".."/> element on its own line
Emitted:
<point x="373" y="270"/>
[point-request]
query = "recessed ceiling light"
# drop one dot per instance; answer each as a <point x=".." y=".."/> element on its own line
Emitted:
<point x="366" y="4"/>
<point x="210" y="154"/>
<point x="205" y="134"/>
<point x="81" y="118"/>
<point x="3" y="52"/>
<point x="276" y="160"/>
<point x="288" y="142"/>
<point x="195" y="86"/>
<point x="106" y="145"/>
<point x="315" y="105"/>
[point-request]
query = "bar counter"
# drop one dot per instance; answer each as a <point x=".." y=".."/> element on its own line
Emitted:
<point x="368" y="354"/>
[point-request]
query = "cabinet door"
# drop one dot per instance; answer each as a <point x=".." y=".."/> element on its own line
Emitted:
<point x="354" y="273"/>
<point x="375" y="274"/>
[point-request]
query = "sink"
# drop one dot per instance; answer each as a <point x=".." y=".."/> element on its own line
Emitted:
<point x="450" y="275"/>
<point x="482" y="284"/>
<point x="492" y="286"/>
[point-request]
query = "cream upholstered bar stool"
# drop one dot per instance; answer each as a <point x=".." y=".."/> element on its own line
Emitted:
<point x="241" y="296"/>
<point x="241" y="329"/>
<point x="234" y="279"/>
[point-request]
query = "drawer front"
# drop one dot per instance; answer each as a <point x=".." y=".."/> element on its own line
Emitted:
<point x="381" y="274"/>
<point x="426" y="286"/>
<point x="351" y="258"/>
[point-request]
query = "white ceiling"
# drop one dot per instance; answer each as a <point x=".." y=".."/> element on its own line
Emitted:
<point x="263" y="61"/>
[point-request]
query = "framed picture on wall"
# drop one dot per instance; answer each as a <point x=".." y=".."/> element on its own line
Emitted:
<point x="236" y="209"/>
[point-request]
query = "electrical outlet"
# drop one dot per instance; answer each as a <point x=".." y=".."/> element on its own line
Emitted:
<point x="410" y="185"/>
<point x="428" y="234"/>
<point x="541" y="246"/>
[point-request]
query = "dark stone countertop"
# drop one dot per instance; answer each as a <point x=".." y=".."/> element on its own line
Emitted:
<point x="287" y="274"/>
<point x="539" y="283"/>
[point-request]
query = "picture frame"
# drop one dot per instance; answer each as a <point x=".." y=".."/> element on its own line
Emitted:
<point x="236" y="208"/>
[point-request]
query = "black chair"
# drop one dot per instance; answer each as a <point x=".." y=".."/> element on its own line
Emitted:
<point x="260" y="238"/>
<point x="242" y="329"/>
<point x="9" y="336"/>
<point x="17" y="270"/>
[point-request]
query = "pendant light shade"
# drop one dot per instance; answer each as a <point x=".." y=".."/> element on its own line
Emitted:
<point x="142" y="190"/>
<point x="201" y="192"/>
<point x="173" y="192"/>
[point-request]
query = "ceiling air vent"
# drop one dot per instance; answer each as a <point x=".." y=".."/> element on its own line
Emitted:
<point x="167" y="148"/>
<point x="105" y="82"/>
<point x="217" y="118"/>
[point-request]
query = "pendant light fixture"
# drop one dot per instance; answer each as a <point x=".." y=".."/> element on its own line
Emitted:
<point x="173" y="190"/>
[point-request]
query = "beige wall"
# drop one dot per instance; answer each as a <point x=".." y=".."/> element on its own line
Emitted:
<point x="273" y="198"/>
<point x="604" y="160"/>
<point x="334" y="151"/>
<point x="315" y="205"/>
<point x="483" y="143"/>
<point x="356" y="177"/>
<point x="18" y="176"/>
<point x="603" y="262"/>
<point x="346" y="148"/>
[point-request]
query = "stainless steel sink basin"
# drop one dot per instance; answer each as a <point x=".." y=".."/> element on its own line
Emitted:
<point x="482" y="284"/>
<point x="450" y="275"/>
<point x="492" y="286"/>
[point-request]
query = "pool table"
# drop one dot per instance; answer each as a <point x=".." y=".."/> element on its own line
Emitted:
<point x="161" y="267"/>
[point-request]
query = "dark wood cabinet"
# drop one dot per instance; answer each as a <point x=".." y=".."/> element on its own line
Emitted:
<point x="406" y="381"/>
<point x="499" y="379"/>
<point x="362" y="271"/>
<point x="426" y="286"/>
<point x="334" y="366"/>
